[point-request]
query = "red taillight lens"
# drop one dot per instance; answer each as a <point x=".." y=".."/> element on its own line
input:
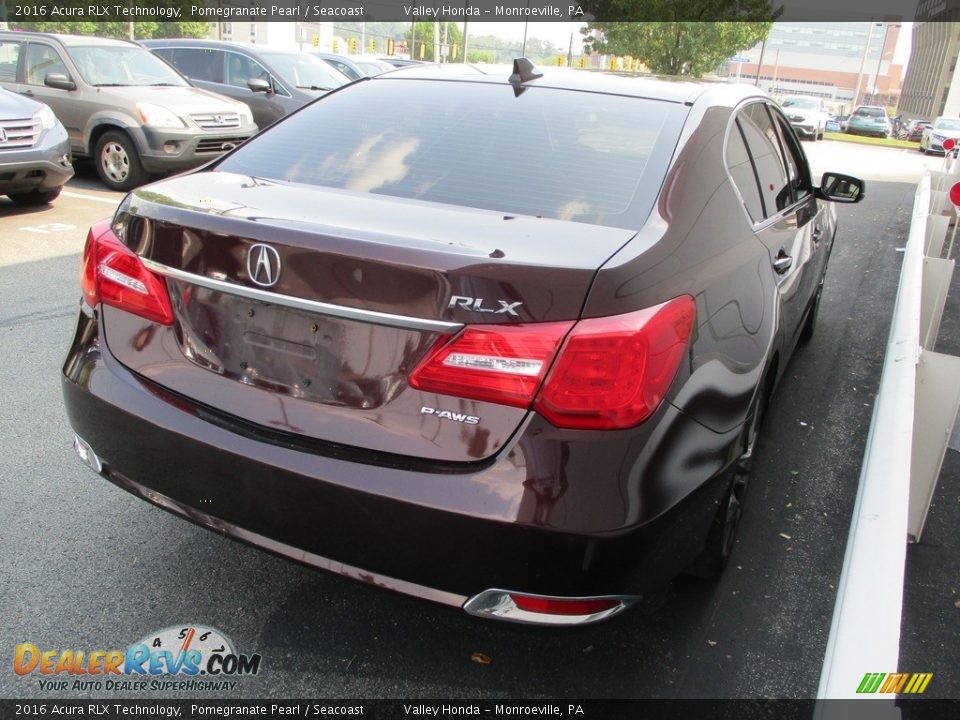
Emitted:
<point x="563" y="606"/>
<point x="614" y="371"/>
<point x="497" y="363"/>
<point x="113" y="274"/>
<point x="611" y="372"/>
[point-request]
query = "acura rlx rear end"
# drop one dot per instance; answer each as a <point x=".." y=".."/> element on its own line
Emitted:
<point x="444" y="335"/>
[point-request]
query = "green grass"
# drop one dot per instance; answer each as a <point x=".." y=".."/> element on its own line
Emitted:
<point x="885" y="142"/>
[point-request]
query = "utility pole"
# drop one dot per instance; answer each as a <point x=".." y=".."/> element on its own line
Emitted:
<point x="863" y="62"/>
<point x="876" y="75"/>
<point x="465" y="38"/>
<point x="570" y="52"/>
<point x="763" y="48"/>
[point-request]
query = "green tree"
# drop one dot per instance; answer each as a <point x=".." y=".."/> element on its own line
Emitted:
<point x="424" y="37"/>
<point x="690" y="37"/>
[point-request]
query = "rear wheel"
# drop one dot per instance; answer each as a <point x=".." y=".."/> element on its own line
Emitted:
<point x="723" y="533"/>
<point x="117" y="162"/>
<point x="35" y="197"/>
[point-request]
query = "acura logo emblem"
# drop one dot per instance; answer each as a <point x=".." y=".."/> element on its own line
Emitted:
<point x="219" y="119"/>
<point x="263" y="265"/>
<point x="3" y="135"/>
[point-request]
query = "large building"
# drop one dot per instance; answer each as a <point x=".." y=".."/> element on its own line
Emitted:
<point x="932" y="85"/>
<point x="846" y="63"/>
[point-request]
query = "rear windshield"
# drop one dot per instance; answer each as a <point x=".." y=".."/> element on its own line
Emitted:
<point x="802" y="103"/>
<point x="871" y="112"/>
<point x="947" y="124"/>
<point x="561" y="154"/>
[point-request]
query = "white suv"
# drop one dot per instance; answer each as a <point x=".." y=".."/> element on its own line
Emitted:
<point x="807" y="115"/>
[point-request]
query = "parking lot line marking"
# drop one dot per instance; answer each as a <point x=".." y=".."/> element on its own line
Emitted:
<point x="90" y="197"/>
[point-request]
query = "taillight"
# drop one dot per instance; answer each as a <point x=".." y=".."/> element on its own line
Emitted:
<point x="610" y="372"/>
<point x="113" y="274"/>
<point x="613" y="372"/>
<point x="502" y="364"/>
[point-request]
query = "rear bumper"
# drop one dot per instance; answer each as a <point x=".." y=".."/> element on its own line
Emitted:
<point x="333" y="513"/>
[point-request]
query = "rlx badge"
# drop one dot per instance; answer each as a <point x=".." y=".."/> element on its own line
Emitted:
<point x="476" y="305"/>
<point x="447" y="415"/>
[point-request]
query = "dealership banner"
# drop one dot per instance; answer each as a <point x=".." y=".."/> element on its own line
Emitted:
<point x="465" y="10"/>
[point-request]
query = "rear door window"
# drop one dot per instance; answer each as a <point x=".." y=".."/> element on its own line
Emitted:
<point x="762" y="140"/>
<point x="742" y="171"/>
<point x="196" y="63"/>
<point x="9" y="59"/>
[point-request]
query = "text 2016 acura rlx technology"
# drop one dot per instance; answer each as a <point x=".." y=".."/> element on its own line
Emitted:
<point x="500" y="341"/>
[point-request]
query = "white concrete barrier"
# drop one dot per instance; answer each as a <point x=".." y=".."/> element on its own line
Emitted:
<point x="916" y="406"/>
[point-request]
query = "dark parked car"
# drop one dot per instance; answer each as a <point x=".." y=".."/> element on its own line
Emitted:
<point x="273" y="83"/>
<point x="915" y="129"/>
<point x="357" y="66"/>
<point x="34" y="151"/>
<point x="122" y="107"/>
<point x="506" y="347"/>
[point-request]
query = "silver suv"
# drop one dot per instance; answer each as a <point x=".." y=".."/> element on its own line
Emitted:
<point x="122" y="106"/>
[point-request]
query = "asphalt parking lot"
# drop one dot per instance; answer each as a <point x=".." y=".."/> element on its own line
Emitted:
<point x="90" y="567"/>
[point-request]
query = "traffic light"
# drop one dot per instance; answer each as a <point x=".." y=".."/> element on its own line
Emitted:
<point x="373" y="46"/>
<point x="353" y="46"/>
<point x="391" y="47"/>
<point x="336" y="45"/>
<point x="316" y="41"/>
<point x="423" y="50"/>
<point x="454" y="51"/>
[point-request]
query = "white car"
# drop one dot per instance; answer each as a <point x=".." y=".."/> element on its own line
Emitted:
<point x="807" y="115"/>
<point x="933" y="137"/>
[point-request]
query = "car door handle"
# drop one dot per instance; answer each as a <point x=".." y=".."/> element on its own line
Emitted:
<point x="817" y="234"/>
<point x="783" y="262"/>
<point x="27" y="92"/>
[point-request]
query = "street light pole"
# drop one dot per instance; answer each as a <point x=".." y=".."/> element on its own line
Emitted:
<point x="876" y="76"/>
<point x="863" y="62"/>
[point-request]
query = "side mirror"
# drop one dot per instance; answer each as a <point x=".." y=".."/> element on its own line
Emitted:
<point x="259" y="85"/>
<point x="841" y="188"/>
<point x="59" y="81"/>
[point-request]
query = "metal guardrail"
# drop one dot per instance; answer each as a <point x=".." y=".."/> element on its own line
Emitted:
<point x="916" y="406"/>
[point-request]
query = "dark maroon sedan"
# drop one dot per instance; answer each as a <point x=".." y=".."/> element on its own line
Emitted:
<point x="500" y="341"/>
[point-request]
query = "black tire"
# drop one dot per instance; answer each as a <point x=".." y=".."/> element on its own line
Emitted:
<point x="118" y="164"/>
<point x="35" y="197"/>
<point x="723" y="533"/>
<point x="810" y="324"/>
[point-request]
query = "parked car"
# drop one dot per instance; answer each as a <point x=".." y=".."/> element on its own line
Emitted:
<point x="915" y="129"/>
<point x="833" y="124"/>
<point x="933" y="137"/>
<point x="869" y="120"/>
<point x="807" y="115"/>
<point x="34" y="151"/>
<point x="527" y="383"/>
<point x="356" y="66"/>
<point x="400" y="62"/>
<point x="273" y="83"/>
<point x="124" y="108"/>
